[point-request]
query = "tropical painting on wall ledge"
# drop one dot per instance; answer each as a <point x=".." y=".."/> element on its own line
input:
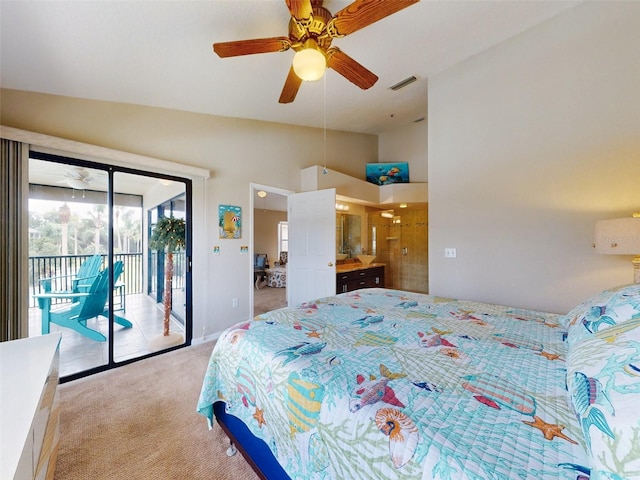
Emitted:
<point x="388" y="173"/>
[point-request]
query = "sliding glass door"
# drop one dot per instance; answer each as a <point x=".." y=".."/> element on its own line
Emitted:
<point x="88" y="244"/>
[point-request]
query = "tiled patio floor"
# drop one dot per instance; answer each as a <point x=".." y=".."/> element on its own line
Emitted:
<point x="78" y="353"/>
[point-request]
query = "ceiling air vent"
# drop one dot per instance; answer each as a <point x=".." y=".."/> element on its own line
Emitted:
<point x="403" y="83"/>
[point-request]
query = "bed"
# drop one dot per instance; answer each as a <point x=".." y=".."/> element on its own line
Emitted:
<point x="383" y="383"/>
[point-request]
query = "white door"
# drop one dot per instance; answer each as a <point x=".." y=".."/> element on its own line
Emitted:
<point x="311" y="271"/>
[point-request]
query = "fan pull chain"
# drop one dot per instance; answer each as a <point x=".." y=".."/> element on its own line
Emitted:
<point x="324" y="127"/>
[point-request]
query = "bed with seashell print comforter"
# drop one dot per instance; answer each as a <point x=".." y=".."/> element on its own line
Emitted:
<point x="388" y="384"/>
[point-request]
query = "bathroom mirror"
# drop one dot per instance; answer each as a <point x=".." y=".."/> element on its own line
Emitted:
<point x="348" y="234"/>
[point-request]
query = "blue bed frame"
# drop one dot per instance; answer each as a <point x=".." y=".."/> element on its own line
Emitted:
<point x="253" y="449"/>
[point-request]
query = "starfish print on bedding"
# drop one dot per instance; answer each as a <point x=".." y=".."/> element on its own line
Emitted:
<point x="550" y="356"/>
<point x="259" y="416"/>
<point x="549" y="430"/>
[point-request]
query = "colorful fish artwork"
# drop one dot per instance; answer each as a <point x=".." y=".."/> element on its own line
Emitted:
<point x="441" y="332"/>
<point x="495" y="392"/>
<point x="304" y="400"/>
<point x="310" y="307"/>
<point x="370" y="391"/>
<point x="246" y="385"/>
<point x="407" y="304"/>
<point x="402" y="432"/>
<point x="428" y="386"/>
<point x="436" y="340"/>
<point x="588" y="399"/>
<point x="443" y="346"/>
<point x="633" y="370"/>
<point x="236" y="336"/>
<point x="610" y="334"/>
<point x="584" y="472"/>
<point x="304" y="348"/>
<point x="467" y="315"/>
<point x="368" y="320"/>
<point x="238" y="333"/>
<point x="596" y="317"/>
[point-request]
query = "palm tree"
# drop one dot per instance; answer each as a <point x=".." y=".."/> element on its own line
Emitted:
<point x="168" y="235"/>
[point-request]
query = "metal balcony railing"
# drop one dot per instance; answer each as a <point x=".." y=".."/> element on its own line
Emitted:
<point x="65" y="266"/>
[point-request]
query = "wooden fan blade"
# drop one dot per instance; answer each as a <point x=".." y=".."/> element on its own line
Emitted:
<point x="301" y="10"/>
<point x="350" y="69"/>
<point x="362" y="13"/>
<point x="250" y="47"/>
<point x="291" y="87"/>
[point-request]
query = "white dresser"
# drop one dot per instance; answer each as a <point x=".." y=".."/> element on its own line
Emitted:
<point x="29" y="408"/>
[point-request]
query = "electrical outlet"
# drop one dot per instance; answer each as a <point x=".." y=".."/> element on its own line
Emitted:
<point x="234" y="302"/>
<point x="450" y="252"/>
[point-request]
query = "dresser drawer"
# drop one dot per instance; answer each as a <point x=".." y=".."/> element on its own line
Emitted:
<point x="29" y="375"/>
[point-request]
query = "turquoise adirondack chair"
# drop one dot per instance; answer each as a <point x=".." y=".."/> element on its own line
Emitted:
<point x="88" y="304"/>
<point x="81" y="280"/>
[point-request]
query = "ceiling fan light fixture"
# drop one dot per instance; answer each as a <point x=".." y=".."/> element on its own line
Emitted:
<point x="76" y="184"/>
<point x="309" y="63"/>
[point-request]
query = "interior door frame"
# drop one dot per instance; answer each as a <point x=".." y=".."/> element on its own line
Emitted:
<point x="253" y="187"/>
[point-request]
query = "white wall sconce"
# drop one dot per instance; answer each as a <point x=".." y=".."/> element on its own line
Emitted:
<point x="620" y="236"/>
<point x="386" y="214"/>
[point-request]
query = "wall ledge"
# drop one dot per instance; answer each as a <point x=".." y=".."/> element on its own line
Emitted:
<point x="361" y="191"/>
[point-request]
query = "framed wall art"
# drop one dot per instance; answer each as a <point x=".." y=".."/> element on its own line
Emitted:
<point x="387" y="173"/>
<point x="230" y="221"/>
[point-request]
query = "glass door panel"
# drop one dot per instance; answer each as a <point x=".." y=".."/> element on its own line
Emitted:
<point x="68" y="248"/>
<point x="89" y="277"/>
<point x="144" y="308"/>
<point x="399" y="239"/>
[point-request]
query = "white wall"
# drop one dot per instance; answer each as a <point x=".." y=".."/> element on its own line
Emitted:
<point x="237" y="152"/>
<point x="530" y="143"/>
<point x="406" y="144"/>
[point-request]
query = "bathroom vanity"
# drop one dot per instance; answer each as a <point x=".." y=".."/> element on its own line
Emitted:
<point x="353" y="276"/>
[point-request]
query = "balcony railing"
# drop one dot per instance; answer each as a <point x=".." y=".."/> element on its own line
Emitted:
<point x="65" y="266"/>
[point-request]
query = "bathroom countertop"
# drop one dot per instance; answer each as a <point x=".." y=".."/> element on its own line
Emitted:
<point x="352" y="267"/>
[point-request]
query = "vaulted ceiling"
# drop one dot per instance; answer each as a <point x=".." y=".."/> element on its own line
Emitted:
<point x="159" y="53"/>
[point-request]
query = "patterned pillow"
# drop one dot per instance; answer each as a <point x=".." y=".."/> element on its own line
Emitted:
<point x="284" y="257"/>
<point x="602" y="311"/>
<point x="603" y="379"/>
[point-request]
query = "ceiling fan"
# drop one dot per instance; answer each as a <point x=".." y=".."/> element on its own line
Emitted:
<point x="312" y="28"/>
<point x="77" y="178"/>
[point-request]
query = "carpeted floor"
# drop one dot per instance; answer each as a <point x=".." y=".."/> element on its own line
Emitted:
<point x="139" y="422"/>
<point x="266" y="299"/>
